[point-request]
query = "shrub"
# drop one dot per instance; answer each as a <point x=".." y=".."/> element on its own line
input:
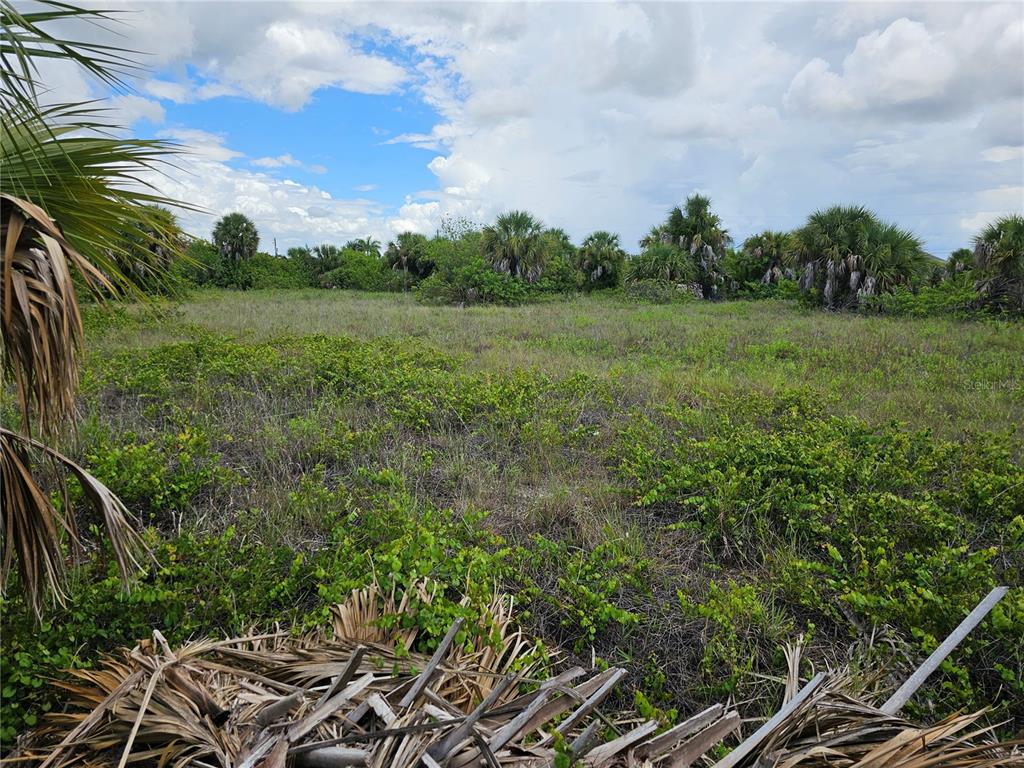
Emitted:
<point x="841" y="520"/>
<point x="462" y="276"/>
<point x="657" y="291"/>
<point x="471" y="283"/>
<point x="199" y="265"/>
<point x="663" y="262"/>
<point x="266" y="271"/>
<point x="361" y="271"/>
<point x="954" y="297"/>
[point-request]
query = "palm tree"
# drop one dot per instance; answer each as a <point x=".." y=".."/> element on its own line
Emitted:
<point x="771" y="253"/>
<point x="365" y="245"/>
<point x="149" y="250"/>
<point x="71" y="191"/>
<point x="999" y="258"/>
<point x="236" y="238"/>
<point x="960" y="260"/>
<point x="515" y="245"/>
<point x="408" y="253"/>
<point x="845" y="252"/>
<point x="696" y="229"/>
<point x="601" y="260"/>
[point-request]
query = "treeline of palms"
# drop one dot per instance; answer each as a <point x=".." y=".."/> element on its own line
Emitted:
<point x="517" y="250"/>
<point x="840" y="258"/>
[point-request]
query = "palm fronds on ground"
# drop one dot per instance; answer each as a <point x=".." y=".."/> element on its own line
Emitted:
<point x="354" y="696"/>
<point x="71" y="191"/>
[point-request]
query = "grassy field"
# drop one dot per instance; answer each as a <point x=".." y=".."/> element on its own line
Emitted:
<point x="945" y="375"/>
<point x="681" y="489"/>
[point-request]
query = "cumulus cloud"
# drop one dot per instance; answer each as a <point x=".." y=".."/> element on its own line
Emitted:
<point x="910" y="69"/>
<point x="603" y="115"/>
<point x="287" y="161"/>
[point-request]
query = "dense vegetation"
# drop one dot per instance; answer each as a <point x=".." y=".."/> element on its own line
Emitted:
<point x="679" y="489"/>
<point x="844" y="257"/>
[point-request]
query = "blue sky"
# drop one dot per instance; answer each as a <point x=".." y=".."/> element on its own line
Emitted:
<point x="325" y="121"/>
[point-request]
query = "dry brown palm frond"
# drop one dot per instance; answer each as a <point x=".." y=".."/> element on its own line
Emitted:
<point x="32" y="530"/>
<point x="39" y="319"/>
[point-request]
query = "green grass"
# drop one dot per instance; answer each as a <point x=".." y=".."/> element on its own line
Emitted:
<point x="946" y="375"/>
<point x="680" y="489"/>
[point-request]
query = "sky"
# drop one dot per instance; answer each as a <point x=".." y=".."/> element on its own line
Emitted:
<point x="327" y="121"/>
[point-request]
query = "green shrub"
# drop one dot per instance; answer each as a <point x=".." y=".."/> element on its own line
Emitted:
<point x="656" y="291"/>
<point x="470" y="282"/>
<point x="954" y="297"/>
<point x="264" y="271"/>
<point x="893" y="527"/>
<point x="362" y="271"/>
<point x="204" y="585"/>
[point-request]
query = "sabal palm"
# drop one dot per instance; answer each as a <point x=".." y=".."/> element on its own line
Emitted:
<point x="845" y="252"/>
<point x="600" y="259"/>
<point x="365" y="245"/>
<point x="773" y="251"/>
<point x="514" y="245"/>
<point x="999" y="258"/>
<point x="57" y="167"/>
<point x="407" y="252"/>
<point x="236" y="237"/>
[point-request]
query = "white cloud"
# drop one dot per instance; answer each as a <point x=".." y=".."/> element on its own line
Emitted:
<point x="603" y="115"/>
<point x="293" y="213"/>
<point x="287" y="161"/>
<point x="1003" y="154"/>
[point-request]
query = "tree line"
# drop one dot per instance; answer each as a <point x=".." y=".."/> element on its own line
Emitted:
<point x="843" y="257"/>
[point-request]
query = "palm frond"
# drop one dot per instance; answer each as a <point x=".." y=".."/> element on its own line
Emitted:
<point x="32" y="529"/>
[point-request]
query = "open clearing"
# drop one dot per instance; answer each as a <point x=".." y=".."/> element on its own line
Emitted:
<point x="677" y="489"/>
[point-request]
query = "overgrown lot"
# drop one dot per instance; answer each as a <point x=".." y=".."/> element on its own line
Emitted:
<point x="682" y="489"/>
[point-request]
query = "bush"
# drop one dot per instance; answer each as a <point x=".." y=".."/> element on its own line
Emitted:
<point x="472" y="283"/>
<point x="954" y="297"/>
<point x="266" y="271"/>
<point x="656" y="291"/>
<point x="362" y="271"/>
<point x="200" y="264"/>
<point x="841" y="520"/>
<point x="663" y="262"/>
<point x="462" y="276"/>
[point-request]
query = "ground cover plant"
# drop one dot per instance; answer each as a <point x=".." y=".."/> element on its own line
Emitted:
<point x="680" y="489"/>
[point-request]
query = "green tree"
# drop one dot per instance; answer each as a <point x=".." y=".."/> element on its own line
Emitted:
<point x="601" y="260"/>
<point x="71" y="193"/>
<point x="960" y="260"/>
<point x="150" y="248"/>
<point x="769" y="258"/>
<point x="845" y="252"/>
<point x="408" y="253"/>
<point x="699" y="231"/>
<point x="514" y="245"/>
<point x="999" y="259"/>
<point x="364" y="245"/>
<point x="236" y="238"/>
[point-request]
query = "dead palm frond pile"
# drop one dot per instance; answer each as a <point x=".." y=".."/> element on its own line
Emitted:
<point x="351" y="696"/>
